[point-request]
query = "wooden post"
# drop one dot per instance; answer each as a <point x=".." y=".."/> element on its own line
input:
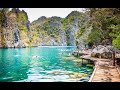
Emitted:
<point x="113" y="58"/>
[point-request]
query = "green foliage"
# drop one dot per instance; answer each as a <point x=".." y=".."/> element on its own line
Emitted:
<point x="51" y="30"/>
<point x="107" y="20"/>
<point x="81" y="31"/>
<point x="52" y="35"/>
<point x="116" y="42"/>
<point x="70" y="18"/>
<point x="1" y="17"/>
<point x="114" y="31"/>
<point x="95" y="37"/>
<point x="22" y="28"/>
<point x="66" y="22"/>
<point x="105" y="23"/>
<point x="3" y="13"/>
<point x="5" y="10"/>
<point x="21" y="17"/>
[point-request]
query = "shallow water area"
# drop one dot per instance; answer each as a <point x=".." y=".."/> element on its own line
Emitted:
<point x="42" y="64"/>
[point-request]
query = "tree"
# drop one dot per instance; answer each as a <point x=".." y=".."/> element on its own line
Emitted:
<point x="95" y="37"/>
<point x="116" y="42"/>
<point x="107" y="22"/>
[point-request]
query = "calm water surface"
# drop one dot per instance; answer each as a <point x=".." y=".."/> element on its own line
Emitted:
<point x="41" y="64"/>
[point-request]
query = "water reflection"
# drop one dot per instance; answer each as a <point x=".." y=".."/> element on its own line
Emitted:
<point x="34" y="63"/>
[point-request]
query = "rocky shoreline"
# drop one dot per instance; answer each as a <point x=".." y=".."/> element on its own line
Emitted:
<point x="104" y="70"/>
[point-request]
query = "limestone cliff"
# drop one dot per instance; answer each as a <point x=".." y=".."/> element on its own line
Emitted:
<point x="14" y="28"/>
<point x="76" y="25"/>
<point x="17" y="31"/>
<point x="59" y="31"/>
<point x="48" y="31"/>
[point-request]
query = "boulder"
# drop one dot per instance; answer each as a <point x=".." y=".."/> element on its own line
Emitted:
<point x="102" y="52"/>
<point x="112" y="48"/>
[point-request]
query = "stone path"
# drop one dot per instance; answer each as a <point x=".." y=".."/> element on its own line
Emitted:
<point x="104" y="70"/>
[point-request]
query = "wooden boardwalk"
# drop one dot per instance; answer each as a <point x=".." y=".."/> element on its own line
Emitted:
<point x="104" y="71"/>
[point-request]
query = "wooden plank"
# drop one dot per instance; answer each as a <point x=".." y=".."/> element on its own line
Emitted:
<point x="95" y="69"/>
<point x="104" y="71"/>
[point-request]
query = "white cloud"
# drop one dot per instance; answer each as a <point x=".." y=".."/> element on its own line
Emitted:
<point x="35" y="13"/>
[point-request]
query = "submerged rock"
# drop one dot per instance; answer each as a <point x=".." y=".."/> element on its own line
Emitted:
<point x="78" y="60"/>
<point x="84" y="79"/>
<point x="57" y="72"/>
<point x="69" y="58"/>
<point x="75" y="75"/>
<point x="89" y="65"/>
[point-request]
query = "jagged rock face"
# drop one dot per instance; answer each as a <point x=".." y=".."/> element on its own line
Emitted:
<point x="101" y="52"/>
<point x="27" y="24"/>
<point x="78" y="25"/>
<point x="40" y="20"/>
<point x="16" y="38"/>
<point x="62" y="30"/>
<point x="56" y="23"/>
<point x="70" y="37"/>
<point x="11" y="31"/>
<point x="17" y="31"/>
<point x="49" y="30"/>
<point x="8" y="32"/>
<point x="71" y="30"/>
<point x="63" y="38"/>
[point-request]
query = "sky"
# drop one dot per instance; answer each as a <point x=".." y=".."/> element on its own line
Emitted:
<point x="35" y="13"/>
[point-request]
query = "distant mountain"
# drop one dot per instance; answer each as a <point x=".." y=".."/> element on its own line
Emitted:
<point x="59" y="31"/>
<point x="17" y="31"/>
<point x="75" y="25"/>
<point x="48" y="31"/>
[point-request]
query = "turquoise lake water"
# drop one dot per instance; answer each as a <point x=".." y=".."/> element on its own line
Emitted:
<point x="41" y="64"/>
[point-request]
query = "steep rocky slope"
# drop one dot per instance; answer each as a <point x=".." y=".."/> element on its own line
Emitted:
<point x="60" y="31"/>
<point x="17" y="31"/>
<point x="76" y="23"/>
<point x="14" y="28"/>
<point x="48" y="31"/>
